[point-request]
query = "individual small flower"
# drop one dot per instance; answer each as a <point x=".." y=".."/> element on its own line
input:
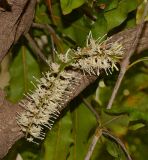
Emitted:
<point x="55" y="67"/>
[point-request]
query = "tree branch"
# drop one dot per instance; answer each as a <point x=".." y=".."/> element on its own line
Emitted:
<point x="10" y="131"/>
<point x="14" y="23"/>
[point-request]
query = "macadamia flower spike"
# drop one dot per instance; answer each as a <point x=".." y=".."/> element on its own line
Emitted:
<point x="43" y="105"/>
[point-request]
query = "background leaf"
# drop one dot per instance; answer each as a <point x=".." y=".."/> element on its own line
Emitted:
<point x="22" y="70"/>
<point x="68" y="5"/>
<point x="117" y="16"/>
<point x="83" y="125"/>
<point x="59" y="139"/>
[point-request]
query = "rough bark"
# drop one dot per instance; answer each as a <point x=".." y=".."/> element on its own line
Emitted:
<point x="9" y="130"/>
<point x="12" y="26"/>
<point x="14" y="23"/>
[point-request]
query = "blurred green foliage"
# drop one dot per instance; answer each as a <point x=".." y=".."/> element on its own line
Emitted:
<point x="72" y="133"/>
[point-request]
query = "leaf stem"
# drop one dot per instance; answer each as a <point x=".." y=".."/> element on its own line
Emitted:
<point x="35" y="48"/>
<point x="118" y="141"/>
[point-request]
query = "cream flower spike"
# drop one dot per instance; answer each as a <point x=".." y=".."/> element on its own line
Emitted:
<point x="43" y="105"/>
<point x="97" y="55"/>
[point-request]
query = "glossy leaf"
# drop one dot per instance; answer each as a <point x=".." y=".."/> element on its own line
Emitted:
<point x="117" y="16"/>
<point x="108" y="5"/>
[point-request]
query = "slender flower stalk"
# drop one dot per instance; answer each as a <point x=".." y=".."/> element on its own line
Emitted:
<point x="43" y="105"/>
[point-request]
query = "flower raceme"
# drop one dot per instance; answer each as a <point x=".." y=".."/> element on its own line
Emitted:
<point x="43" y="105"/>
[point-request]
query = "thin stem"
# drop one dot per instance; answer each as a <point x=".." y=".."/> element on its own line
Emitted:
<point x="49" y="29"/>
<point x="90" y="107"/>
<point x="125" y="61"/>
<point x="110" y="121"/>
<point x="35" y="47"/>
<point x="118" y="141"/>
<point x="96" y="137"/>
<point x="43" y="26"/>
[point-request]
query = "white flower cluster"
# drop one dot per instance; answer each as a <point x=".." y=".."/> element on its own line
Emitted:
<point x="44" y="104"/>
<point x="95" y="56"/>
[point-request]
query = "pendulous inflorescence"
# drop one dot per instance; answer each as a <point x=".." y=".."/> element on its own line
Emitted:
<point x="43" y="105"/>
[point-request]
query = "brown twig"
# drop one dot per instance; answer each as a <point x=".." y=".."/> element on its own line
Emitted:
<point x="49" y="29"/>
<point x="96" y="137"/>
<point x="98" y="133"/>
<point x="126" y="59"/>
<point x="44" y="26"/>
<point x="35" y="48"/>
<point x="90" y="107"/>
<point x="49" y="5"/>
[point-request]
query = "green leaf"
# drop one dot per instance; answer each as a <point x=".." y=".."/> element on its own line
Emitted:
<point x="140" y="11"/>
<point x="83" y="123"/>
<point x="117" y="16"/>
<point x="26" y="155"/>
<point x="133" y="113"/>
<point x="77" y="31"/>
<point x="113" y="149"/>
<point x="22" y="70"/>
<point x="109" y="5"/>
<point x="99" y="28"/>
<point x="68" y="5"/>
<point x="58" y="140"/>
<point x="41" y="16"/>
<point x="136" y="126"/>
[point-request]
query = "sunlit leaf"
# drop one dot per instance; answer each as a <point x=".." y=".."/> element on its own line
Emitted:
<point x="68" y="5"/>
